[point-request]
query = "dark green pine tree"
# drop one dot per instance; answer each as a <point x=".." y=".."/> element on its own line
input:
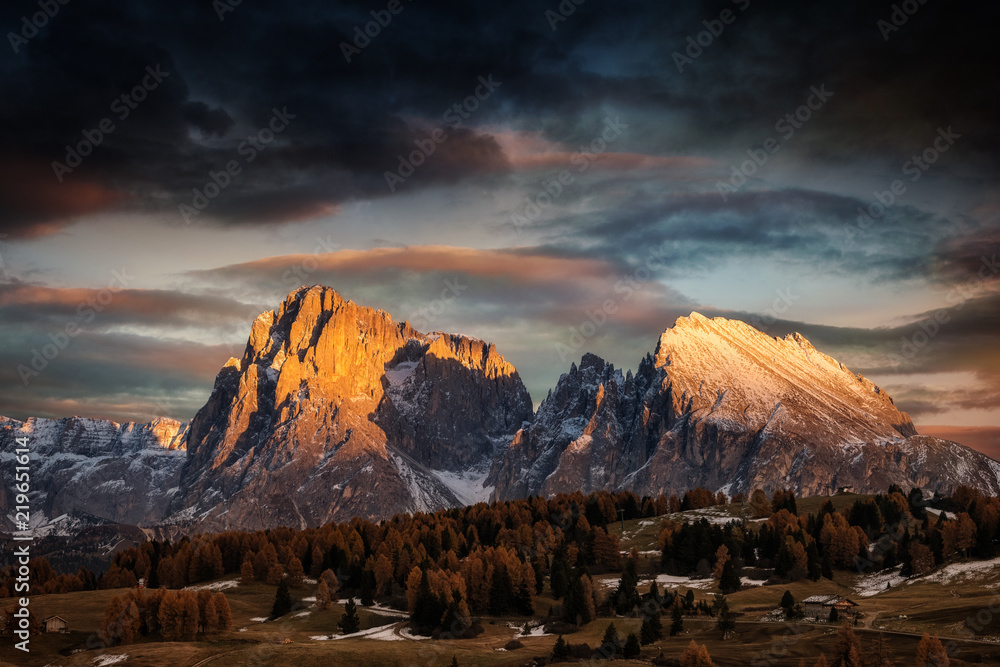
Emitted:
<point x="575" y="608"/>
<point x="631" y="648"/>
<point x="654" y="593"/>
<point x="729" y="582"/>
<point x="561" y="649"/>
<point x="282" y="601"/>
<point x="726" y="622"/>
<point x="501" y="593"/>
<point x="689" y="600"/>
<point x="651" y="629"/>
<point x="814" y="568"/>
<point x="626" y="596"/>
<point x="349" y="623"/>
<point x="560" y="578"/>
<point x="611" y="644"/>
<point x="367" y="588"/>
<point x="788" y="603"/>
<point x="428" y="609"/>
<point x="827" y="566"/>
<point x="676" y="621"/>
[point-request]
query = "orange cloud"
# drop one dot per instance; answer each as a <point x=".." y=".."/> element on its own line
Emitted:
<point x="36" y="204"/>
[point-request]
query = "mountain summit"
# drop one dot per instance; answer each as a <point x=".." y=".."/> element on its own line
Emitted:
<point x="725" y="406"/>
<point x="335" y="411"/>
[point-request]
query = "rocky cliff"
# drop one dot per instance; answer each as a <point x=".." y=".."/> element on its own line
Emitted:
<point x="724" y="406"/>
<point x="125" y="473"/>
<point x="335" y="411"/>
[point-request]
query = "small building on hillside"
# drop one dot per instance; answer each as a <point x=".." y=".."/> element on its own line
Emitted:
<point x="55" y="624"/>
<point x="818" y="606"/>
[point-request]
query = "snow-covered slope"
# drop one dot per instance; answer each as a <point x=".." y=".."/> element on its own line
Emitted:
<point x="336" y="411"/>
<point x="125" y="473"/>
<point x="724" y="406"/>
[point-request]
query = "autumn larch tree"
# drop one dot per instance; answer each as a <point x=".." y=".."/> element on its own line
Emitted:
<point x="323" y="599"/>
<point x="848" y="651"/>
<point x="930" y="653"/>
<point x="223" y="613"/>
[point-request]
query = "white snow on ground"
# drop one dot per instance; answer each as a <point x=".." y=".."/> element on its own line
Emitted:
<point x="387" y="635"/>
<point x="259" y="619"/>
<point x="949" y="573"/>
<point x="302" y="613"/>
<point x="215" y="586"/>
<point x="753" y="582"/>
<point x="311" y="598"/>
<point x="406" y="633"/>
<point x="310" y="581"/>
<point x="467" y="485"/>
<point x="242" y="630"/>
<point x="667" y="580"/>
<point x="947" y="515"/>
<point x="360" y="633"/>
<point x="536" y="630"/>
<point x="105" y="660"/>
<point x="646" y="522"/>
<point x="876" y="582"/>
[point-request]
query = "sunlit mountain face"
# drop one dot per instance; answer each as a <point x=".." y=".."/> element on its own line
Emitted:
<point x="557" y="179"/>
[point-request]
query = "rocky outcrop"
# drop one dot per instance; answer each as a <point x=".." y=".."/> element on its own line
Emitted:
<point x="724" y="406"/>
<point x="336" y="411"/>
<point x="125" y="473"/>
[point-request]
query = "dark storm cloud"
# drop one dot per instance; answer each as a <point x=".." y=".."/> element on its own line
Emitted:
<point x="808" y="228"/>
<point x="354" y="119"/>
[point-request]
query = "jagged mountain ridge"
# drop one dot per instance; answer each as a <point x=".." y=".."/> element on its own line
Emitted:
<point x="335" y="410"/>
<point x="126" y="473"/>
<point x="725" y="406"/>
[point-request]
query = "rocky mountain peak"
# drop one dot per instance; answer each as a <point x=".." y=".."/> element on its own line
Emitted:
<point x="329" y="393"/>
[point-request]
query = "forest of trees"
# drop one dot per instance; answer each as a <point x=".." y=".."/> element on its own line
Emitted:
<point x="448" y="567"/>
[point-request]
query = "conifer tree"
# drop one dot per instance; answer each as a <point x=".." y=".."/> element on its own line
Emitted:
<point x="282" y="601"/>
<point x="349" y="623"/>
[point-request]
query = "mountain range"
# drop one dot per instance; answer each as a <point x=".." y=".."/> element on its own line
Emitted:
<point x="335" y="411"/>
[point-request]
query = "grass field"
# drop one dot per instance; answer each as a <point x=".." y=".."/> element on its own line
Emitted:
<point x="946" y="604"/>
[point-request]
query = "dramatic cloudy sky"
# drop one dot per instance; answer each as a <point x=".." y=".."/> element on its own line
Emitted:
<point x="641" y="137"/>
